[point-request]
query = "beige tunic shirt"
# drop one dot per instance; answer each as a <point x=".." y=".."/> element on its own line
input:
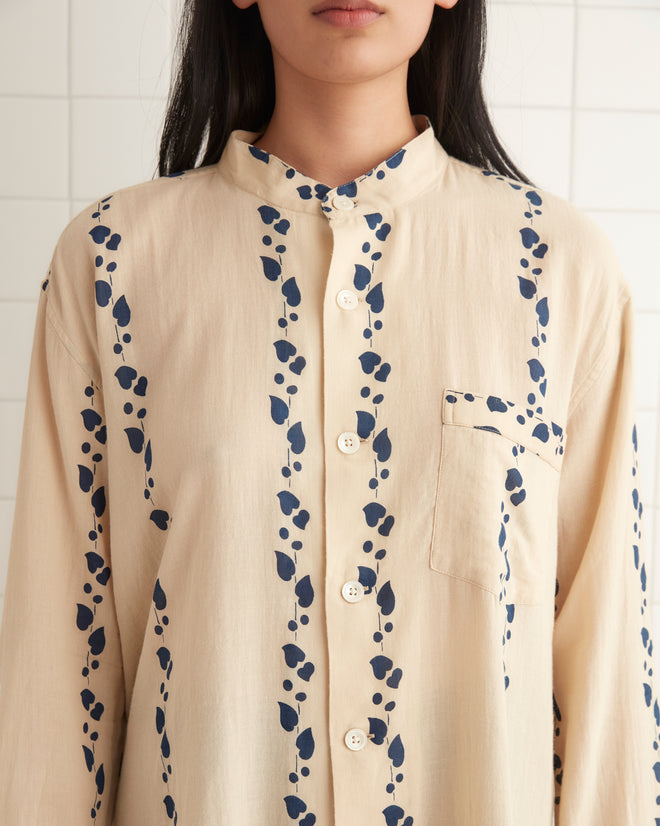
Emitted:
<point x="328" y="510"/>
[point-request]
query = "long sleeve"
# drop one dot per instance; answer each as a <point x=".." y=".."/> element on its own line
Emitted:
<point x="606" y="713"/>
<point x="61" y="679"/>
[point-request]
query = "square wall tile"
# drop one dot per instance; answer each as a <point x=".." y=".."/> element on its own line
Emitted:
<point x="28" y="233"/>
<point x="656" y="500"/>
<point x="529" y="57"/>
<point x="34" y="139"/>
<point x="538" y="141"/>
<point x="11" y="434"/>
<point x="176" y="10"/>
<point x="6" y="524"/>
<point x="531" y="2"/>
<point x="33" y="47"/>
<point x="646" y="4"/>
<point x="121" y="48"/>
<point x="78" y="206"/>
<point x="616" y="160"/>
<point x="114" y="144"/>
<point x="636" y="237"/>
<point x="17" y="321"/>
<point x="630" y="79"/>
<point x="647" y="359"/>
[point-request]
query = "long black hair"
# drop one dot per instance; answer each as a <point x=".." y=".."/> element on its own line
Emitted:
<point x="224" y="80"/>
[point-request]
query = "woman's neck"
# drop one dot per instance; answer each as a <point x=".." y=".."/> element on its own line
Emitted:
<point x="335" y="132"/>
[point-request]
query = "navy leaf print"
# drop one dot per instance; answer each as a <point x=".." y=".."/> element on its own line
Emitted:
<point x="85" y="617"/>
<point x="98" y="502"/>
<point x="85" y="478"/>
<point x="159" y="598"/>
<point x="527" y="287"/>
<point x="103" y="292"/>
<point x="89" y="758"/>
<point x="285" y="566"/>
<point x="121" y="311"/>
<point x="99" y="233"/>
<point x="135" y="438"/>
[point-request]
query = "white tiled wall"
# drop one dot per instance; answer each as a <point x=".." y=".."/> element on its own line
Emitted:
<point x="82" y="94"/>
<point x="574" y="89"/>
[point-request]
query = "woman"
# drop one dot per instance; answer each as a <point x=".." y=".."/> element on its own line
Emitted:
<point x="327" y="508"/>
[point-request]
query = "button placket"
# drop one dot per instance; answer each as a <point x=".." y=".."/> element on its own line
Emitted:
<point x="349" y="442"/>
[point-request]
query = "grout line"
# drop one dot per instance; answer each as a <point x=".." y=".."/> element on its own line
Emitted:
<point x="599" y="110"/>
<point x="559" y="3"/>
<point x="46" y="199"/>
<point x="572" y="118"/>
<point x="69" y="79"/>
<point x="73" y="96"/>
<point x="547" y="107"/>
<point x="597" y="6"/>
<point x="652" y="552"/>
<point x="655" y="519"/>
<point x="618" y="7"/>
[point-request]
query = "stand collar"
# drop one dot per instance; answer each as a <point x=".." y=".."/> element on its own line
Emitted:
<point x="411" y="169"/>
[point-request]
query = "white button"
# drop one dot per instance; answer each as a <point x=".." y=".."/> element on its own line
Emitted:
<point x="347" y="299"/>
<point x="348" y="441"/>
<point x="352" y="591"/>
<point x="342" y="202"/>
<point x="355" y="739"/>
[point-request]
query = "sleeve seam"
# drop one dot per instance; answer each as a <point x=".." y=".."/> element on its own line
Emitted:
<point x="598" y="366"/>
<point x="58" y="328"/>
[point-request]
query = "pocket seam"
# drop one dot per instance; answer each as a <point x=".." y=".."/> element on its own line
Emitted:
<point x="524" y="444"/>
<point x="449" y="417"/>
<point x="435" y="498"/>
<point x="441" y="465"/>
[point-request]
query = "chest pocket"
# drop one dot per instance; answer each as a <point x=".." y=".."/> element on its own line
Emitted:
<point x="495" y="514"/>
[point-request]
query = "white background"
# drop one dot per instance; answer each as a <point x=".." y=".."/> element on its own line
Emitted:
<point x="574" y="91"/>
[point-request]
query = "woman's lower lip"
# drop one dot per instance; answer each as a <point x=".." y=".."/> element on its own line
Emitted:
<point x="348" y="19"/>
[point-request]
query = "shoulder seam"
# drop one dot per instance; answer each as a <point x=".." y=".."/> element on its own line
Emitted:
<point x="623" y="298"/>
<point x="58" y="329"/>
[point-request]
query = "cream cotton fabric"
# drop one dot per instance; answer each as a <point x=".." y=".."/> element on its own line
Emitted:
<point x="328" y="510"/>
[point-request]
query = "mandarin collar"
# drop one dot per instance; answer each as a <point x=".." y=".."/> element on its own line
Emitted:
<point x="411" y="169"/>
